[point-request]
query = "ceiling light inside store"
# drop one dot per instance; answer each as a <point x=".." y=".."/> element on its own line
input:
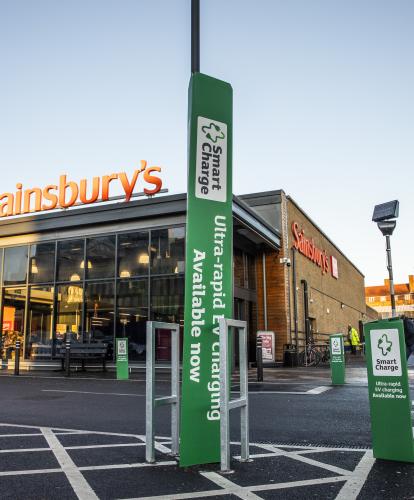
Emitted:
<point x="143" y="258"/>
<point x="75" y="277"/>
<point x="35" y="270"/>
<point x="125" y="274"/>
<point x="82" y="266"/>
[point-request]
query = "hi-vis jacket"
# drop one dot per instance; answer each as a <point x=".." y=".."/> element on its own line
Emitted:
<point x="354" y="337"/>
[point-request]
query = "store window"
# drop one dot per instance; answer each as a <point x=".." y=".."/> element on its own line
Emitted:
<point x="13" y="314"/>
<point x="167" y="304"/>
<point x="132" y="298"/>
<point x="39" y="326"/>
<point x="100" y="257"/>
<point x="167" y="251"/>
<point x="42" y="263"/>
<point x="133" y="256"/>
<point x="15" y="265"/>
<point x="69" y="303"/>
<point x="99" y="310"/>
<point x="70" y="260"/>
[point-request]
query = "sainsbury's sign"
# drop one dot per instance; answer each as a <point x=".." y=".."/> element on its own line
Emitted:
<point x="306" y="246"/>
<point x="67" y="193"/>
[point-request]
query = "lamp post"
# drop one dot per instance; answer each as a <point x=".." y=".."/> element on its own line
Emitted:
<point x="385" y="215"/>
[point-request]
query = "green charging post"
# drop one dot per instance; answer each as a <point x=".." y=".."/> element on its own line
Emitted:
<point x="122" y="370"/>
<point x="389" y="394"/>
<point x="336" y="343"/>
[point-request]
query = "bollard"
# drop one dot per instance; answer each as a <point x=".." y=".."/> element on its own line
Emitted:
<point x="17" y="358"/>
<point x="67" y="357"/>
<point x="259" y="358"/>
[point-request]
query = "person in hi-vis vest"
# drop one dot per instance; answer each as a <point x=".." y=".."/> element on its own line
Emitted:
<point x="353" y="338"/>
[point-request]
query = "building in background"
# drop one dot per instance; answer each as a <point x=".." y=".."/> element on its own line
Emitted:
<point x="312" y="288"/>
<point x="378" y="298"/>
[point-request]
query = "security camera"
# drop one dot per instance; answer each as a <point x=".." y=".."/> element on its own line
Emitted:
<point x="285" y="260"/>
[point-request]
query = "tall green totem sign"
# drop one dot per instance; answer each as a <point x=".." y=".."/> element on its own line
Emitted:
<point x="389" y="391"/>
<point x="208" y="270"/>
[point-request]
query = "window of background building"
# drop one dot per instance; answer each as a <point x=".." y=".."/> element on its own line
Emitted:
<point x="133" y="256"/>
<point x="100" y="311"/>
<point x="42" y="263"/>
<point x="238" y="266"/>
<point x="15" y="265"/>
<point x="69" y="303"/>
<point x="132" y="315"/>
<point x="167" y="251"/>
<point x="407" y="297"/>
<point x="39" y="326"/>
<point x="371" y="299"/>
<point x="383" y="298"/>
<point x="70" y="260"/>
<point x="251" y="271"/>
<point x="14" y="302"/>
<point x="100" y="257"/>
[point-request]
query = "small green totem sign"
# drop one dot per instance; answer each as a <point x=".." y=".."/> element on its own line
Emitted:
<point x="122" y="369"/>
<point x="337" y="359"/>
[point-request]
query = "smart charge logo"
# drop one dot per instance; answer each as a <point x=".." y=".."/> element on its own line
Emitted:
<point x="211" y="161"/>
<point x="386" y="358"/>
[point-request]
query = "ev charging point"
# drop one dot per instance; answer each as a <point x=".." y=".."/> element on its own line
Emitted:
<point x="122" y="372"/>
<point x="336" y="344"/>
<point x="389" y="393"/>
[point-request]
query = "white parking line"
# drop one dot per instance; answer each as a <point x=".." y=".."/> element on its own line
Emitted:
<point x="20" y="450"/>
<point x="311" y="392"/>
<point x="98" y="393"/>
<point x="19" y="435"/>
<point x="320" y="390"/>
<point x="28" y="472"/>
<point x="354" y="480"/>
<point x="79" y="484"/>
<point x="116" y="445"/>
<point x="353" y="486"/>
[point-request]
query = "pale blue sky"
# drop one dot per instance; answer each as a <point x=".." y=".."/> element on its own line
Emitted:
<point x="323" y="101"/>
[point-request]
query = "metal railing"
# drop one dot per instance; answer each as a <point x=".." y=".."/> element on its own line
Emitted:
<point x="226" y="404"/>
<point x="174" y="399"/>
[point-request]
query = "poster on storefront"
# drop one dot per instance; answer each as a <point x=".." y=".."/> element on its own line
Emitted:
<point x="208" y="265"/>
<point x="268" y="345"/>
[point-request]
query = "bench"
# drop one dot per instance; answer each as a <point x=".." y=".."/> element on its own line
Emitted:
<point x="83" y="353"/>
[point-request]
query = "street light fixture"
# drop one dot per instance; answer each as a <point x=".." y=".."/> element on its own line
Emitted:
<point x="384" y="215"/>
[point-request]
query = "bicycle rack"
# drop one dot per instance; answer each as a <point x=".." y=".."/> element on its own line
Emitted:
<point x="153" y="402"/>
<point x="226" y="404"/>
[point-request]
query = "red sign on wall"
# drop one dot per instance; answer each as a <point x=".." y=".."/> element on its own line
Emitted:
<point x="306" y="246"/>
<point x="334" y="267"/>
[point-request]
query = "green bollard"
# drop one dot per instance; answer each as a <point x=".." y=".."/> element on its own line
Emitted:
<point x="389" y="393"/>
<point x="122" y="369"/>
<point x="336" y="343"/>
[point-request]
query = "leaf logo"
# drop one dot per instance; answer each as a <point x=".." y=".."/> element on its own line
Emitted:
<point x="384" y="344"/>
<point x="213" y="132"/>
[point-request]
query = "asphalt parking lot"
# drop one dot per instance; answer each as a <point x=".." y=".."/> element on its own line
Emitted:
<point x="83" y="437"/>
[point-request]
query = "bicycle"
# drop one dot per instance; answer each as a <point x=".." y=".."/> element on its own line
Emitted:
<point x="325" y="354"/>
<point x="310" y="356"/>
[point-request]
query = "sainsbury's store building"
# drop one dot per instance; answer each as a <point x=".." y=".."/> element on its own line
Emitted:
<point x="101" y="271"/>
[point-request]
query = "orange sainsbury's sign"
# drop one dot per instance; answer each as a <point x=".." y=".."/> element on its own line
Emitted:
<point x="67" y="193"/>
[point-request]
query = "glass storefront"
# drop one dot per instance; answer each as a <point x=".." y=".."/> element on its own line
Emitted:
<point x="92" y="290"/>
<point x="95" y="289"/>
